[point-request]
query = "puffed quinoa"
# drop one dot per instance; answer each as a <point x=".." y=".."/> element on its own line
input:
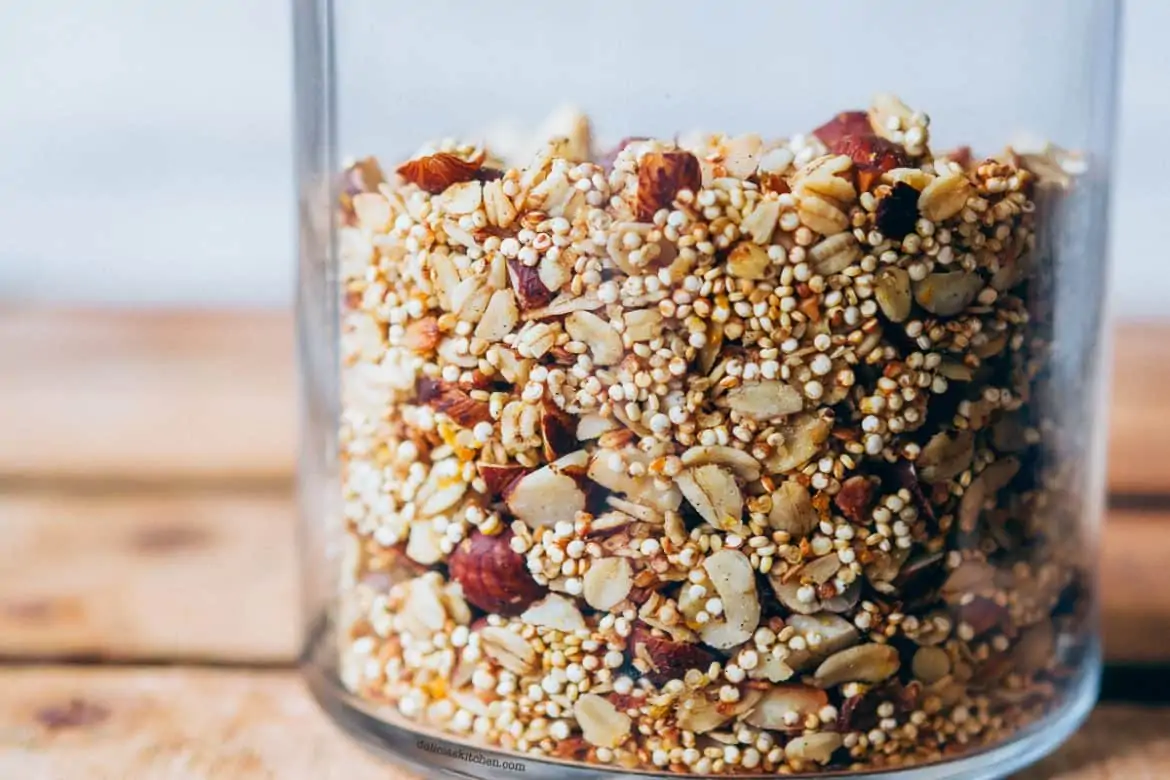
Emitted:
<point x="709" y="455"/>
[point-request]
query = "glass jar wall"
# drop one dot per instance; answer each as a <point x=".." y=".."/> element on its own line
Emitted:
<point x="705" y="389"/>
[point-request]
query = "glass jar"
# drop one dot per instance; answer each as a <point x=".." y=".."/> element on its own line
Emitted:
<point x="739" y="417"/>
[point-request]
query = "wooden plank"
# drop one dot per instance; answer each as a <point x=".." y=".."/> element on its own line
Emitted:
<point x="148" y="577"/>
<point x="199" y="724"/>
<point x="212" y="577"/>
<point x="152" y="395"/>
<point x="146" y="395"/>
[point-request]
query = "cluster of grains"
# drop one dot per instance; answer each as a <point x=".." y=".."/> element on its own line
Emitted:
<point x="714" y="456"/>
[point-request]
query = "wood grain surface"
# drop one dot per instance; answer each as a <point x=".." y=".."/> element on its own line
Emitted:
<point x="156" y="396"/>
<point x="194" y="724"/>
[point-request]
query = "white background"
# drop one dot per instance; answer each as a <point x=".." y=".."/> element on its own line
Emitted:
<point x="145" y="153"/>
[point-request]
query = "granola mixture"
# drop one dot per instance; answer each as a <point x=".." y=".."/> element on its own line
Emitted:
<point x="723" y="455"/>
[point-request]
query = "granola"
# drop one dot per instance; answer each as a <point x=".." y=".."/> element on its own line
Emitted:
<point x="718" y="455"/>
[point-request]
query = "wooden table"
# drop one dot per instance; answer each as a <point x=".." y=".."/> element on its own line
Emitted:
<point x="148" y="589"/>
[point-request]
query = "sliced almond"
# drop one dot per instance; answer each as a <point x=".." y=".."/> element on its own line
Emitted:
<point x="742" y="463"/>
<point x="764" y="400"/>
<point x="508" y="649"/>
<point x="641" y="489"/>
<point x="892" y="293"/>
<point x="423" y="610"/>
<point x="944" y="197"/>
<point x="554" y="611"/>
<point x="792" y="510"/>
<point x="643" y="324"/>
<point x="947" y="294"/>
<point x="442" y="493"/>
<point x="871" y="663"/>
<point x="463" y="198"/>
<point x="945" y="456"/>
<point x="818" y="746"/>
<point x="748" y="260"/>
<point x="734" y="581"/>
<point x="714" y="493"/>
<point x="565" y="304"/>
<point x="545" y="497"/>
<point x="802" y="440"/>
<point x="647" y="514"/>
<point x="971" y="576"/>
<point x="602" y="725"/>
<point x="444" y="277"/>
<point x="497" y="206"/>
<point x="423" y="544"/>
<point x="786" y="707"/>
<point x="698" y="714"/>
<point x="500" y="317"/>
<point x="607" y="582"/>
<point x="470" y="299"/>
<point x="554" y="273"/>
<point x="824" y="633"/>
<point x="760" y="224"/>
<point x="772" y="666"/>
<point x="605" y="344"/>
<point x="591" y="426"/>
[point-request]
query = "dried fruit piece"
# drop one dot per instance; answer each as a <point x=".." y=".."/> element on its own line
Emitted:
<point x="869" y="662"/>
<point x="982" y="615"/>
<point x="856" y="497"/>
<point x="787" y="707"/>
<point x="607" y="583"/>
<point x="666" y="658"/>
<point x="748" y="260"/>
<point x="508" y="649"/>
<point x="764" y="400"/>
<point x="714" y="493"/>
<point x="846" y="123"/>
<point x="947" y="294"/>
<point x="601" y="723"/>
<point x="604" y="343"/>
<point x="554" y="611"/>
<point x="792" y="510"/>
<point x="897" y="213"/>
<point x="892" y="292"/>
<point x="494" y="577"/>
<point x="872" y="156"/>
<point x="435" y="173"/>
<point x="545" y="497"/>
<point x="661" y="176"/>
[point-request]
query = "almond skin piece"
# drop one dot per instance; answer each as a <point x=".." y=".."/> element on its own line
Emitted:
<point x="661" y="176"/>
<point x="530" y="291"/>
<point x="845" y="123"/>
<point x="668" y="660"/>
<point x="494" y="577"/>
<point x="437" y="172"/>
<point x="453" y="401"/>
<point x="855" y="498"/>
<point x="499" y="479"/>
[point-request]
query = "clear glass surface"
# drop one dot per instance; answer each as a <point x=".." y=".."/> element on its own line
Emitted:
<point x="703" y="389"/>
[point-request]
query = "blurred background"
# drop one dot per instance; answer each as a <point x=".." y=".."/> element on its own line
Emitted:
<point x="145" y="154"/>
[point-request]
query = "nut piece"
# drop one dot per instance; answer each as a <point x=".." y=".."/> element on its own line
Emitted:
<point x="494" y="577"/>
<point x="554" y="611"/>
<point x="870" y="663"/>
<point x="714" y="493"/>
<point x="931" y="664"/>
<point x="786" y="707"/>
<point x="601" y="723"/>
<point x="855" y="498"/>
<point x="764" y="400"/>
<point x="742" y="463"/>
<point x="661" y="176"/>
<point x="437" y="172"/>
<point x="530" y="290"/>
<point x="607" y="582"/>
<point x="500" y="317"/>
<point x="605" y="344"/>
<point x="545" y="497"/>
<point x="802" y="439"/>
<point x="847" y="123"/>
<point x="834" y="632"/>
<point x="818" y="747"/>
<point x="666" y="658"/>
<point x="792" y="510"/>
<point x="947" y="294"/>
<point x="499" y="479"/>
<point x="749" y="261"/>
<point x="946" y="456"/>
<point x="892" y="292"/>
<point x="735" y="583"/>
<point x="508" y="649"/>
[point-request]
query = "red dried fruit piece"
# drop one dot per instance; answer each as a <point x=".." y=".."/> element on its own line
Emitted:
<point x="500" y="479"/>
<point x="422" y="336"/>
<point x="856" y="497"/>
<point x="661" y="176"/>
<point x="453" y="401"/>
<point x="530" y="291"/>
<point x="437" y="172"/>
<point x="845" y="123"/>
<point x="872" y="156"/>
<point x="859" y="712"/>
<point x="667" y="659"/>
<point x="494" y="577"/>
<point x="897" y="212"/>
